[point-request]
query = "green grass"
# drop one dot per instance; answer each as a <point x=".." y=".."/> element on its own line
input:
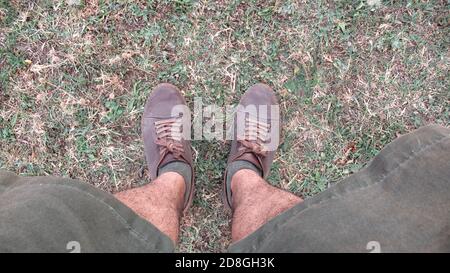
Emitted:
<point x="350" y="78"/>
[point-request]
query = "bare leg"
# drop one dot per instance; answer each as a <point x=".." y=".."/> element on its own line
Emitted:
<point x="160" y="202"/>
<point x="255" y="202"/>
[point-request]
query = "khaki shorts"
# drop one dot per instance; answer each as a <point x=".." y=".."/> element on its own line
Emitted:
<point x="399" y="203"/>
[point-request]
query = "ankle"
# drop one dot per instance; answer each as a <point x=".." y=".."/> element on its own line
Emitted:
<point x="179" y="167"/>
<point x="171" y="179"/>
<point x="246" y="175"/>
<point x="245" y="181"/>
<point x="173" y="187"/>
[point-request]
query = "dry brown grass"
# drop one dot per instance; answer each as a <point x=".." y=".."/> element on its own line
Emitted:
<point x="350" y="78"/>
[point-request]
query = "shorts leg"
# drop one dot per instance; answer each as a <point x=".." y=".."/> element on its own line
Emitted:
<point x="50" y="214"/>
<point x="399" y="203"/>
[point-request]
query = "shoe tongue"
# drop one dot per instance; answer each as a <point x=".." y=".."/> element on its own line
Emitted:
<point x="251" y="158"/>
<point x="169" y="158"/>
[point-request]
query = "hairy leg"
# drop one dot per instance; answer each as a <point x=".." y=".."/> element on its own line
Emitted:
<point x="255" y="202"/>
<point x="160" y="202"/>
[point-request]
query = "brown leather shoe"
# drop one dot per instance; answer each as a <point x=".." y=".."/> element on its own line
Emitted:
<point x="165" y="130"/>
<point x="255" y="133"/>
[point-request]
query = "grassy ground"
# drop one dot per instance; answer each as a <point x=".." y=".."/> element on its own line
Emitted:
<point x="351" y="76"/>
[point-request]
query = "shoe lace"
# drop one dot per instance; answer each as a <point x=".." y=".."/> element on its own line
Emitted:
<point x="169" y="136"/>
<point x="255" y="135"/>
